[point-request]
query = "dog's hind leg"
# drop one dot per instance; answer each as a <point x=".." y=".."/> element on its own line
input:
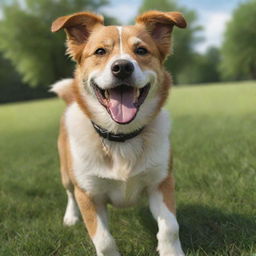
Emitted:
<point x="71" y="216"/>
<point x="94" y="214"/>
<point x="162" y="206"/>
<point x="72" y="212"/>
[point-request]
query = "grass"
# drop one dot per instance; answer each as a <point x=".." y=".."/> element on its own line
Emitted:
<point x="214" y="142"/>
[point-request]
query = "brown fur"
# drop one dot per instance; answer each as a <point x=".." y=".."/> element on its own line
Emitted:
<point x="70" y="21"/>
<point x="82" y="44"/>
<point x="65" y="157"/>
<point x="86" y="33"/>
<point x="78" y="27"/>
<point x="88" y="210"/>
<point x="164" y="91"/>
<point x="170" y="18"/>
<point x="86" y="205"/>
<point x="160" y="25"/>
<point x="68" y="95"/>
<point x="167" y="188"/>
<point x="80" y="101"/>
<point x="108" y="38"/>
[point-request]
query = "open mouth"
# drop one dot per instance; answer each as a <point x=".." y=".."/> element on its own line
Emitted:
<point x="122" y="102"/>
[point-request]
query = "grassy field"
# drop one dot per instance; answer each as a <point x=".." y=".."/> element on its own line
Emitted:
<point x="214" y="141"/>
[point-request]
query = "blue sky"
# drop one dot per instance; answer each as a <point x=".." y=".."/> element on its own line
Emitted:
<point x="212" y="15"/>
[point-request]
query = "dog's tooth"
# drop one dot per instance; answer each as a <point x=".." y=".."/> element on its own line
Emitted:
<point x="137" y="93"/>
<point x="106" y="94"/>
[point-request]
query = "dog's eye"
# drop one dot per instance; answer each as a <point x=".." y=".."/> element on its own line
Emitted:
<point x="100" y="51"/>
<point x="141" y="51"/>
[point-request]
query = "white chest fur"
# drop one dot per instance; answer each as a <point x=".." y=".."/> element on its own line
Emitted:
<point x="132" y="166"/>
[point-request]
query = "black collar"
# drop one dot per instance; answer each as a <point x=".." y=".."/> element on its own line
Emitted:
<point x="117" y="137"/>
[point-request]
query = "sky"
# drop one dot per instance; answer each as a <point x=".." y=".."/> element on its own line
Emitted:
<point x="212" y="15"/>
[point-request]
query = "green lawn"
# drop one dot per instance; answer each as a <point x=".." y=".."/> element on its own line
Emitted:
<point x="214" y="142"/>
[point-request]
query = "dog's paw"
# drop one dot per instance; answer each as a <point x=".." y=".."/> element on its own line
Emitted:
<point x="170" y="249"/>
<point x="70" y="220"/>
<point x="173" y="254"/>
<point x="110" y="254"/>
<point x="105" y="244"/>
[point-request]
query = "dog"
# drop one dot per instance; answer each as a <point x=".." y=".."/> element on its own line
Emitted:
<point x="113" y="142"/>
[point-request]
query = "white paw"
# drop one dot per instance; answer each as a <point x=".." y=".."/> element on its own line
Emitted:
<point x="110" y="251"/>
<point x="173" y="254"/>
<point x="105" y="244"/>
<point x="170" y="249"/>
<point x="114" y="253"/>
<point x="70" y="220"/>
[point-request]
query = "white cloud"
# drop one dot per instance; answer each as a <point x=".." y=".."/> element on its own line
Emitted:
<point x="214" y="24"/>
<point x="124" y="12"/>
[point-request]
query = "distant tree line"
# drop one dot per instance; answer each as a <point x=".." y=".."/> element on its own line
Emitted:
<point x="13" y="89"/>
<point x="236" y="58"/>
<point x="239" y="48"/>
<point x="32" y="58"/>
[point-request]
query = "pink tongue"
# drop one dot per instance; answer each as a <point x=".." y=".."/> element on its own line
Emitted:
<point x="121" y="104"/>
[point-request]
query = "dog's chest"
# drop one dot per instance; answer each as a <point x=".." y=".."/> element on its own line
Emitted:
<point x="118" y="163"/>
<point x="124" y="193"/>
<point x="129" y="167"/>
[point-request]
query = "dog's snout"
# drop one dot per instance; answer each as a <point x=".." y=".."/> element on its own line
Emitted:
<point x="122" y="68"/>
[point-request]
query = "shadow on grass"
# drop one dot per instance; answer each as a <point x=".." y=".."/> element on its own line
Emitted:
<point x="214" y="232"/>
<point x="209" y="231"/>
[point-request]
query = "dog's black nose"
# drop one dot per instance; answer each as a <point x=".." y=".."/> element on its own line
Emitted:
<point x="122" y="68"/>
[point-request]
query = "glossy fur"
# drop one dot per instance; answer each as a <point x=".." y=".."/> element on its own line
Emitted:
<point x="96" y="171"/>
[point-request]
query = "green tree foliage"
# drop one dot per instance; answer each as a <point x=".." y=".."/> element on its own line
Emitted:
<point x="183" y="40"/>
<point x="26" y="40"/>
<point x="204" y="68"/>
<point x="239" y="47"/>
<point x="11" y="87"/>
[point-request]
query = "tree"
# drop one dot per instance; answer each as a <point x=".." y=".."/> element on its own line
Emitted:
<point x="183" y="40"/>
<point x="238" y="50"/>
<point x="26" y="40"/>
<point x="11" y="87"/>
<point x="204" y="68"/>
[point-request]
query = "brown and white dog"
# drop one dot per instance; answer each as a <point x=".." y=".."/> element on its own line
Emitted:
<point x="113" y="141"/>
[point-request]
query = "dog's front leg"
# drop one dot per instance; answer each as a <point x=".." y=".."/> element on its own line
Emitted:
<point x="95" y="218"/>
<point x="162" y="206"/>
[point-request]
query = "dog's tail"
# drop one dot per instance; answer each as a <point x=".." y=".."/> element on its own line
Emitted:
<point x="64" y="90"/>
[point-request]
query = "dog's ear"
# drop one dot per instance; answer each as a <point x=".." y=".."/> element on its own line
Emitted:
<point x="160" y="25"/>
<point x="78" y="27"/>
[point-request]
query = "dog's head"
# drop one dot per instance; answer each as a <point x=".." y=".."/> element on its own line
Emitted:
<point x="120" y="75"/>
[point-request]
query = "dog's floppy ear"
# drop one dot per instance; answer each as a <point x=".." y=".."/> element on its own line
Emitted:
<point x="160" y="25"/>
<point x="78" y="27"/>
